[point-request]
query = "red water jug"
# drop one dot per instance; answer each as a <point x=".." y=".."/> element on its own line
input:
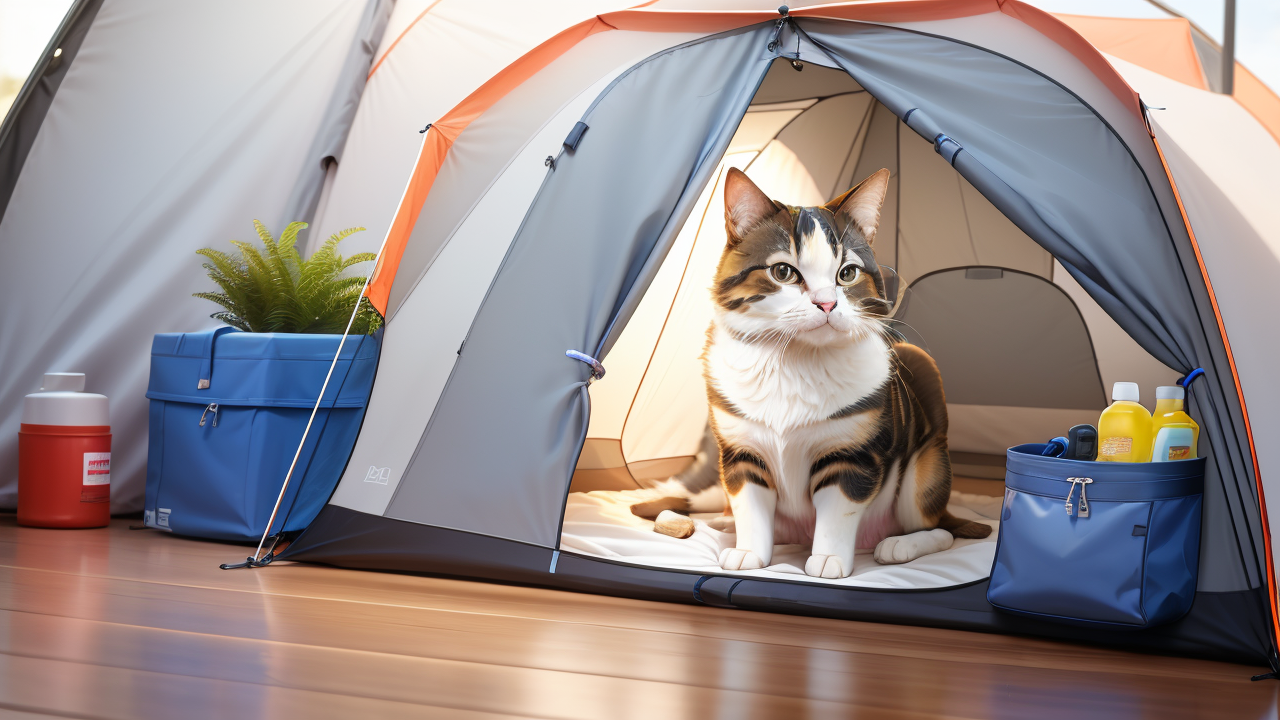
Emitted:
<point x="64" y="456"/>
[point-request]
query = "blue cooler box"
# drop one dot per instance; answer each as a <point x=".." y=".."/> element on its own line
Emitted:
<point x="227" y="411"/>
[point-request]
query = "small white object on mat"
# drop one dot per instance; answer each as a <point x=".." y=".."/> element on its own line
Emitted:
<point x="673" y="524"/>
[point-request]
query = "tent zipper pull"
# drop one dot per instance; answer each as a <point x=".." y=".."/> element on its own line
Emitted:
<point x="213" y="408"/>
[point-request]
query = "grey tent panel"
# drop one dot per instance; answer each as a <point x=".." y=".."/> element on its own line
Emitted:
<point x="1002" y="337"/>
<point x="603" y="219"/>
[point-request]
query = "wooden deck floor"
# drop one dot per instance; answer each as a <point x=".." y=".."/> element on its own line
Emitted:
<point x="116" y="623"/>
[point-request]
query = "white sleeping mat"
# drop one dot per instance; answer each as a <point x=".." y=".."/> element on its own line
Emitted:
<point x="601" y="524"/>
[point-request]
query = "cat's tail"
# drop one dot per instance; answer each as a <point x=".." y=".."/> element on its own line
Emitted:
<point x="962" y="529"/>
<point x="697" y="489"/>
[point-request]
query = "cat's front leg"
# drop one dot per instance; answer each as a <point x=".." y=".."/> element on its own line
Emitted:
<point x="835" y="533"/>
<point x="746" y="481"/>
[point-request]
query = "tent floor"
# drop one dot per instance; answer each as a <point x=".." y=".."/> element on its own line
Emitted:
<point x="118" y="624"/>
<point x="601" y="524"/>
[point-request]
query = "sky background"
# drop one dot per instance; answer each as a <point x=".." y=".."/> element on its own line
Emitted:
<point x="27" y="25"/>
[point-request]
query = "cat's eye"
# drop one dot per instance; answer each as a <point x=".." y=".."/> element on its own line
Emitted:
<point x="848" y="274"/>
<point x="784" y="273"/>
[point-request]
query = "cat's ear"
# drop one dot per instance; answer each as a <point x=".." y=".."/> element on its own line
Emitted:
<point x="861" y="205"/>
<point x="744" y="205"/>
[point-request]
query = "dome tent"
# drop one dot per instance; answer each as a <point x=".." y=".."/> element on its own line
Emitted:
<point x="479" y="419"/>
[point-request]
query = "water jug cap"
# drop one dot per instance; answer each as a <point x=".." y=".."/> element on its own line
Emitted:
<point x="1170" y="392"/>
<point x="63" y="382"/>
<point x="1124" y="391"/>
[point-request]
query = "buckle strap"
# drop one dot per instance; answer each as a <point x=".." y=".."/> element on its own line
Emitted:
<point x="597" y="370"/>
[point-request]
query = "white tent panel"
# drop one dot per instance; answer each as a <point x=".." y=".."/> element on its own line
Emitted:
<point x="1227" y="168"/>
<point x="433" y="55"/>
<point x="827" y="136"/>
<point x="943" y="222"/>
<point x="153" y="148"/>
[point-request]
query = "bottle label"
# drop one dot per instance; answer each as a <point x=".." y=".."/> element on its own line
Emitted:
<point x="1116" y="446"/>
<point x="1179" y="452"/>
<point x="96" y="481"/>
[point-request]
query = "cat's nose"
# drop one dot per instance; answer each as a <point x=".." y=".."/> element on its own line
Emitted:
<point x="827" y="307"/>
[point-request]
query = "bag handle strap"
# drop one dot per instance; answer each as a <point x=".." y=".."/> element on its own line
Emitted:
<point x="206" y="361"/>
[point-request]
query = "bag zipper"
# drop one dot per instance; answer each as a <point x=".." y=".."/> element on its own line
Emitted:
<point x="1084" y="500"/>
<point x="213" y="407"/>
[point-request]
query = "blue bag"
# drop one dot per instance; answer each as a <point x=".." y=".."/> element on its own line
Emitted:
<point x="227" y="411"/>
<point x="1097" y="542"/>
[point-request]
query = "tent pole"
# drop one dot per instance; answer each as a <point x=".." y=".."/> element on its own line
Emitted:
<point x="1229" y="48"/>
<point x="256" y="559"/>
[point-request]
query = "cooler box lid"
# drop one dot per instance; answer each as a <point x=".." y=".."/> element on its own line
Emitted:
<point x="230" y="367"/>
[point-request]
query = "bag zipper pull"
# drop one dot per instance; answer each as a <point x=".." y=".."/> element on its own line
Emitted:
<point x="1069" y="494"/>
<point x="1084" y="501"/>
<point x="213" y="407"/>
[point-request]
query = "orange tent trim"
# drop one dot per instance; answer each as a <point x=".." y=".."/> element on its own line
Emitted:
<point x="440" y="138"/>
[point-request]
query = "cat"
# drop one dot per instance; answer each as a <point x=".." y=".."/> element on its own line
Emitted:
<point x="828" y="433"/>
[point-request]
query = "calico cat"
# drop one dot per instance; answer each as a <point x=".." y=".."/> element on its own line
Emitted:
<point x="828" y="432"/>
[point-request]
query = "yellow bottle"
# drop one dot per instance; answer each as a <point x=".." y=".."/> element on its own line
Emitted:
<point x="1124" y="430"/>
<point x="1174" y="434"/>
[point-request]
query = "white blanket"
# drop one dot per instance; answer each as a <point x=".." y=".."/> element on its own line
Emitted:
<point x="601" y="524"/>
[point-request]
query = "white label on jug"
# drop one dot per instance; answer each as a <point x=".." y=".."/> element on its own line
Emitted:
<point x="97" y="468"/>
<point x="96" y="483"/>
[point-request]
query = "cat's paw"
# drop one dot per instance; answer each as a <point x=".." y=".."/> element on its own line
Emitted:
<point x="827" y="566"/>
<point x="905" y="548"/>
<point x="723" y="523"/>
<point x="738" y="559"/>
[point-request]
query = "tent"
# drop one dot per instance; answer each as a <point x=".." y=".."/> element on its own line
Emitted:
<point x="568" y="204"/>
<point x="127" y="152"/>
<point x="295" y="110"/>
<point x="480" y="431"/>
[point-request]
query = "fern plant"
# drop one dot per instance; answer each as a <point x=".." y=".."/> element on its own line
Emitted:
<point x="275" y="290"/>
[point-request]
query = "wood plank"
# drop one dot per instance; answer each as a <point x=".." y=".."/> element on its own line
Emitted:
<point x="115" y="601"/>
<point x="37" y="686"/>
<point x="172" y="560"/>
<point x="439" y="683"/>
<point x="960" y="691"/>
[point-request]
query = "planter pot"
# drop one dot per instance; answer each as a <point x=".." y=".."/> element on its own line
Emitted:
<point x="227" y="411"/>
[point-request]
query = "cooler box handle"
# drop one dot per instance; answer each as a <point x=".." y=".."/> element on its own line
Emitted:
<point x="206" y="359"/>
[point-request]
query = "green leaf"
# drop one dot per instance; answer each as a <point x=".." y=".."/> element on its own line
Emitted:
<point x="270" y="288"/>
